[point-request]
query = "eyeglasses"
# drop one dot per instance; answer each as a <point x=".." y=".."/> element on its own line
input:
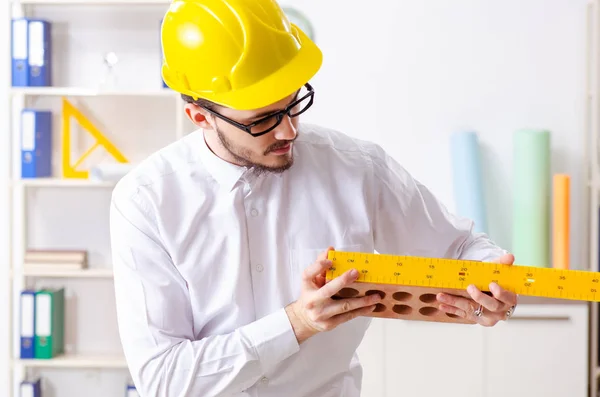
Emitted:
<point x="270" y="122"/>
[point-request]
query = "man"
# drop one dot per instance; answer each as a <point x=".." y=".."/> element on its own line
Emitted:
<point x="220" y="239"/>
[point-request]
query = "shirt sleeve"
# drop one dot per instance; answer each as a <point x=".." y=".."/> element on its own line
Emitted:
<point x="156" y="327"/>
<point x="410" y="220"/>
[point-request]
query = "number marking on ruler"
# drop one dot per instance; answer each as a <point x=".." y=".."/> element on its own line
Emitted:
<point x="458" y="274"/>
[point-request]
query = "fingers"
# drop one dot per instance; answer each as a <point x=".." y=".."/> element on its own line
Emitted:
<point x="338" y="307"/>
<point x="465" y="308"/>
<point x="320" y="280"/>
<point x="488" y="302"/>
<point x="458" y="305"/>
<point x="323" y="255"/>
<point x="488" y="318"/>
<point x="508" y="297"/>
<point x="507" y="259"/>
<point x="352" y="314"/>
<point x="335" y="285"/>
<point x="495" y="307"/>
<point x="454" y="310"/>
<point x="316" y="310"/>
<point x="314" y="270"/>
<point x="347" y="316"/>
<point x="317" y="269"/>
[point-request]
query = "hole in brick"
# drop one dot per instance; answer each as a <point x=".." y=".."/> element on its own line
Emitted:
<point x="379" y="308"/>
<point x="428" y="311"/>
<point x="401" y="296"/>
<point x="402" y="309"/>
<point x="347" y="293"/>
<point x="427" y="298"/>
<point x="452" y="315"/>
<point x="375" y="291"/>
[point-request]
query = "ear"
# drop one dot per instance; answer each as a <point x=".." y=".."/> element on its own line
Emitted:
<point x="197" y="115"/>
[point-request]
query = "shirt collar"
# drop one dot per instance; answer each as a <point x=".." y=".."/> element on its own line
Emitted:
<point x="225" y="173"/>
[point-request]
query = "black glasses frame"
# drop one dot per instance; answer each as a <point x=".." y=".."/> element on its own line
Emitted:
<point x="279" y="115"/>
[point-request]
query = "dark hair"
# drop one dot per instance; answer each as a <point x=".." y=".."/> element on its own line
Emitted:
<point x="200" y="102"/>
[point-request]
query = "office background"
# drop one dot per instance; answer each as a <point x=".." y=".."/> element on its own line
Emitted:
<point x="404" y="73"/>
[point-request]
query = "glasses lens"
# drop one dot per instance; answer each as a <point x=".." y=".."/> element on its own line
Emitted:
<point x="301" y="106"/>
<point x="271" y="122"/>
<point x="264" y="125"/>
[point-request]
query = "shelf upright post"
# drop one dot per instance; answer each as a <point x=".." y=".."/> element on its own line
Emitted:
<point x="17" y="224"/>
<point x="18" y="234"/>
<point x="8" y="175"/>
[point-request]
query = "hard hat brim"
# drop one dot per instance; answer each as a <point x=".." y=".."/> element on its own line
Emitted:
<point x="284" y="82"/>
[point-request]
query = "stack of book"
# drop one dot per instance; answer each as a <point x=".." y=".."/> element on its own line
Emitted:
<point x="43" y="260"/>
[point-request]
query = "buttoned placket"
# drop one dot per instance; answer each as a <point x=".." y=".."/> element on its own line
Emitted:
<point x="255" y="224"/>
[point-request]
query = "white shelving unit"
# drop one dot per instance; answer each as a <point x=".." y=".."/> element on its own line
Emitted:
<point x="59" y="273"/>
<point x="74" y="91"/>
<point x="59" y="182"/>
<point x="33" y="200"/>
<point x="92" y="2"/>
<point x="77" y="361"/>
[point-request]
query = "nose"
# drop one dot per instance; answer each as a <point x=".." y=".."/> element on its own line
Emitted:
<point x="285" y="131"/>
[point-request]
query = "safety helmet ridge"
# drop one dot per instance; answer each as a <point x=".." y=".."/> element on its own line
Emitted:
<point x="242" y="54"/>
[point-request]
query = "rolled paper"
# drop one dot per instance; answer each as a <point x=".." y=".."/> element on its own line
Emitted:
<point x="467" y="179"/>
<point x="531" y="198"/>
<point x="560" y="221"/>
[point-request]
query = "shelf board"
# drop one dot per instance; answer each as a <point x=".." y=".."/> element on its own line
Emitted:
<point x="62" y="273"/>
<point x="62" y="182"/>
<point x="76" y="91"/>
<point x="75" y="361"/>
<point x="93" y="2"/>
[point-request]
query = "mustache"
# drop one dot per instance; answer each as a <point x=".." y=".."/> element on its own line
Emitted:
<point x="278" y="145"/>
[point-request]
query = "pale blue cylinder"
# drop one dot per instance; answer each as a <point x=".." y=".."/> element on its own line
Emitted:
<point x="468" y="179"/>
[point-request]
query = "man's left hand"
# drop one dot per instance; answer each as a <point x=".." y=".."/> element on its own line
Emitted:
<point x="495" y="308"/>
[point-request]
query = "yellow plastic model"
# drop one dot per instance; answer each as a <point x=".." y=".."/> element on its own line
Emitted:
<point x="69" y="169"/>
<point x="237" y="53"/>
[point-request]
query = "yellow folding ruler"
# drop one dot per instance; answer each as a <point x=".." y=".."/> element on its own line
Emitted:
<point x="458" y="274"/>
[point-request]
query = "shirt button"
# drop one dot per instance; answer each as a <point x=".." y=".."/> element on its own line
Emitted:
<point x="264" y="380"/>
<point x="254" y="212"/>
<point x="259" y="268"/>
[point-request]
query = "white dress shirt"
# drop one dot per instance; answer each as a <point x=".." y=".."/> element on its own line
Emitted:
<point x="206" y="257"/>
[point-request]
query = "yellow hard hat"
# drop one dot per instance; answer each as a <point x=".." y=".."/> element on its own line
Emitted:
<point x="242" y="54"/>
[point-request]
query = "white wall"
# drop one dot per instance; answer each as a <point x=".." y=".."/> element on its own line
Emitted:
<point x="408" y="73"/>
<point x="402" y="73"/>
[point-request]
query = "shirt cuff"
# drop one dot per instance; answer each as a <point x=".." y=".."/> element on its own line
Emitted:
<point x="273" y="338"/>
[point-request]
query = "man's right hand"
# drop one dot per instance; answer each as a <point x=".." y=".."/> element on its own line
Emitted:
<point x="315" y="311"/>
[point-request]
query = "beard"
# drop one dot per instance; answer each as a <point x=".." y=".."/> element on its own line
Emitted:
<point x="243" y="156"/>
